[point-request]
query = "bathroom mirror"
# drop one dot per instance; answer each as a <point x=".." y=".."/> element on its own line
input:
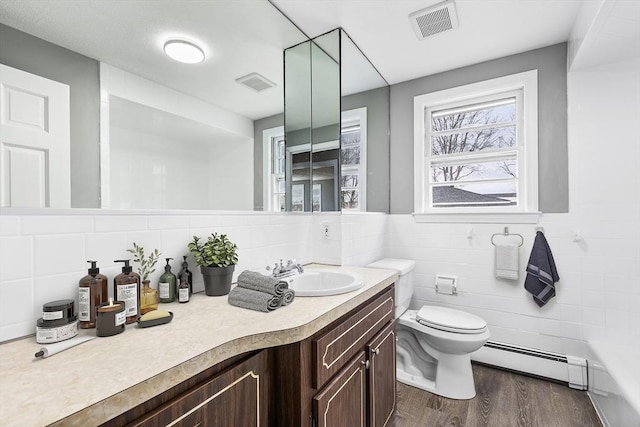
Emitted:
<point x="337" y="134"/>
<point x="54" y="39"/>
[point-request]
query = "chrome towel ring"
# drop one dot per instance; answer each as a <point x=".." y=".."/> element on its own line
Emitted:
<point x="506" y="233"/>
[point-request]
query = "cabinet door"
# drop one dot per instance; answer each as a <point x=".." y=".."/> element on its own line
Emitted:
<point x="381" y="352"/>
<point x="236" y="397"/>
<point x="342" y="402"/>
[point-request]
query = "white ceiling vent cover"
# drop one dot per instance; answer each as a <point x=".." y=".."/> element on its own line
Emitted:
<point x="256" y="81"/>
<point x="435" y="19"/>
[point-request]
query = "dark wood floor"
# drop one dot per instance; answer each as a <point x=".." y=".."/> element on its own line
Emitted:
<point x="503" y="399"/>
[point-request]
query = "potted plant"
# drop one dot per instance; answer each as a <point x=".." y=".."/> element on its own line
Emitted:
<point x="217" y="258"/>
<point x="146" y="266"/>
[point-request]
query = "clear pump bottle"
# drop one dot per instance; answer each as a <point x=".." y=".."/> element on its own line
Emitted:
<point x="93" y="290"/>
<point x="126" y="288"/>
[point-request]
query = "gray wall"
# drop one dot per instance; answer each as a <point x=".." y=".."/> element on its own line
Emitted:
<point x="377" y="103"/>
<point x="82" y="74"/>
<point x="551" y="63"/>
<point x="258" y="127"/>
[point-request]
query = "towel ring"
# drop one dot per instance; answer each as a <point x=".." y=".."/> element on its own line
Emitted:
<point x="506" y="233"/>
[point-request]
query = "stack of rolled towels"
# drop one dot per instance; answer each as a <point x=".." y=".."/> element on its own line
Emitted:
<point x="256" y="291"/>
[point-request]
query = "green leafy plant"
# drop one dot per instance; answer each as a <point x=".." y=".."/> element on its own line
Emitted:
<point x="146" y="264"/>
<point x="216" y="251"/>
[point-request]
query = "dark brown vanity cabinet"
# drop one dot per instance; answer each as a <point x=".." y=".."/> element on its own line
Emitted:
<point x="345" y="374"/>
<point x="236" y="397"/>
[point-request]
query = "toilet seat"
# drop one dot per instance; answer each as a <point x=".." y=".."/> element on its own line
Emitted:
<point x="450" y="320"/>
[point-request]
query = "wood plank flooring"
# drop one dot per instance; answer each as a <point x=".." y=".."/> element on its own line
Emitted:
<point x="503" y="399"/>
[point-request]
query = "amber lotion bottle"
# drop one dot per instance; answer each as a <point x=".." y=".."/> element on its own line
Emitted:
<point x="92" y="291"/>
<point x="126" y="288"/>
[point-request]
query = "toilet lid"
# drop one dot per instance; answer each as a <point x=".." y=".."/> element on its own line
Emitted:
<point x="448" y="319"/>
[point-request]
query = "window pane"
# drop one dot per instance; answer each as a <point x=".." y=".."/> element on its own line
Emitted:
<point x="470" y="141"/>
<point x="498" y="111"/>
<point x="477" y="195"/>
<point x="349" y="180"/>
<point x="504" y="169"/>
<point x="350" y="155"/>
<point x="349" y="199"/>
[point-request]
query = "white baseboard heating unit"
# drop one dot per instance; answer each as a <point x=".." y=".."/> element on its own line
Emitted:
<point x="561" y="367"/>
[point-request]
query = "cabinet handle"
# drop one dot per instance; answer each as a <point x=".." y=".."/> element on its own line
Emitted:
<point x="376" y="351"/>
<point x="366" y="364"/>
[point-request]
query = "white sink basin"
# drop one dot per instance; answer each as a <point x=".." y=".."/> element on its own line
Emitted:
<point x="316" y="283"/>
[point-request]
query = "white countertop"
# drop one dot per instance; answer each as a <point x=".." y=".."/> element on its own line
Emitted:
<point x="102" y="378"/>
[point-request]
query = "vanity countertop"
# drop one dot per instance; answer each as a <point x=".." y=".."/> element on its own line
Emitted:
<point x="102" y="378"/>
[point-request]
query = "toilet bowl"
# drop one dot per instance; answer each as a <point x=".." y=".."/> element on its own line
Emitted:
<point x="433" y="343"/>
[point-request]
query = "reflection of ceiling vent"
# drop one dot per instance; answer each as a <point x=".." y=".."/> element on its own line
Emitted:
<point x="435" y="19"/>
<point x="256" y="81"/>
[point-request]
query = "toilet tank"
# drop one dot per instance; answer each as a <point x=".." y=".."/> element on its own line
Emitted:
<point x="404" y="285"/>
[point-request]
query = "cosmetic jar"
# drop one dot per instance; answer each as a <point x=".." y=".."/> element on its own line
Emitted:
<point x="48" y="331"/>
<point x="110" y="318"/>
<point x="58" y="323"/>
<point x="58" y="310"/>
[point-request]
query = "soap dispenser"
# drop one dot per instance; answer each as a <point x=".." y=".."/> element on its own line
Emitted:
<point x="185" y="275"/>
<point x="167" y="286"/>
<point x="92" y="291"/>
<point x="126" y="288"/>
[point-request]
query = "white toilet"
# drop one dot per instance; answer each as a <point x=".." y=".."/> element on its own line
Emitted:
<point x="434" y="343"/>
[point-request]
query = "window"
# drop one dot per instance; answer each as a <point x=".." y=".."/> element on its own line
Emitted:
<point x="353" y="156"/>
<point x="274" y="185"/>
<point x="476" y="148"/>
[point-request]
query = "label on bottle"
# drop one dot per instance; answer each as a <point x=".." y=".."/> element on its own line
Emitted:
<point x="163" y="290"/>
<point x="129" y="294"/>
<point x="183" y="294"/>
<point x="84" y="304"/>
<point x="120" y="318"/>
<point x="52" y="315"/>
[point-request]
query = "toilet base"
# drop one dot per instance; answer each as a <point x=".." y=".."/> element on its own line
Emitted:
<point x="454" y="378"/>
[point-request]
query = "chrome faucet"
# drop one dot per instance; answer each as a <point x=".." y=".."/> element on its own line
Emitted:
<point x="280" y="270"/>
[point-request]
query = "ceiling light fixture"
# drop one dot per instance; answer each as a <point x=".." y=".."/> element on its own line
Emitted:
<point x="184" y="51"/>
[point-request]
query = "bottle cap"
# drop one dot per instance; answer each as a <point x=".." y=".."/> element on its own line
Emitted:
<point x="127" y="268"/>
<point x="93" y="270"/>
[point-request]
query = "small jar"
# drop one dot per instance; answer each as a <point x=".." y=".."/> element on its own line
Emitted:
<point x="50" y="331"/>
<point x="110" y="318"/>
<point x="58" y="323"/>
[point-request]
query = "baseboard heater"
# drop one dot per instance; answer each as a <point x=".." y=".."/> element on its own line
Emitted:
<point x="560" y="367"/>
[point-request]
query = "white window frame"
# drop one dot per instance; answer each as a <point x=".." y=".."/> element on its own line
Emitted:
<point x="357" y="115"/>
<point x="526" y="211"/>
<point x="268" y="180"/>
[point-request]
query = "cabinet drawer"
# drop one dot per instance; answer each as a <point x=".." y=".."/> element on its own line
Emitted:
<point x="338" y="345"/>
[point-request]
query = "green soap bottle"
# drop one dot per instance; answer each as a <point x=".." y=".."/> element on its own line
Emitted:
<point x="167" y="284"/>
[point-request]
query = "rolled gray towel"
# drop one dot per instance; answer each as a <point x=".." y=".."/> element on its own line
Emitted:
<point x="259" y="282"/>
<point x="288" y="296"/>
<point x="254" y="300"/>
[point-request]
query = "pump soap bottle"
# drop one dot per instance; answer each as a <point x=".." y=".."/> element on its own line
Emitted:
<point x="126" y="288"/>
<point x="185" y="275"/>
<point x="92" y="291"/>
<point x="167" y="286"/>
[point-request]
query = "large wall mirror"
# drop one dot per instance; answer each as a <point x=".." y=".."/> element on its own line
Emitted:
<point x="147" y="132"/>
<point x="337" y="133"/>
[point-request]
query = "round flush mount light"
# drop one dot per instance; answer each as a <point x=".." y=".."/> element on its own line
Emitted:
<point x="184" y="51"/>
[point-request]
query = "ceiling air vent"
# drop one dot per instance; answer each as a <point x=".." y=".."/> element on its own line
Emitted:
<point x="256" y="81"/>
<point x="435" y="19"/>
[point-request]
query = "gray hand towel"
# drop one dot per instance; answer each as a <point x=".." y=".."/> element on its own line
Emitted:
<point x="259" y="282"/>
<point x="288" y="296"/>
<point x="541" y="271"/>
<point x="254" y="300"/>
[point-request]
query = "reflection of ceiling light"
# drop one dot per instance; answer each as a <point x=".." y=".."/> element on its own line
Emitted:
<point x="184" y="51"/>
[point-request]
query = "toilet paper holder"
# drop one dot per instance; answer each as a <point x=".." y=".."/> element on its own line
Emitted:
<point x="446" y="285"/>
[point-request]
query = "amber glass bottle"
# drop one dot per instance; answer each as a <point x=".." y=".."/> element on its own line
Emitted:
<point x="148" y="298"/>
<point x="92" y="291"/>
<point x="126" y="288"/>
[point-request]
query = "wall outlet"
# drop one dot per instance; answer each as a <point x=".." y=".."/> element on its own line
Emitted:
<point x="325" y="230"/>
